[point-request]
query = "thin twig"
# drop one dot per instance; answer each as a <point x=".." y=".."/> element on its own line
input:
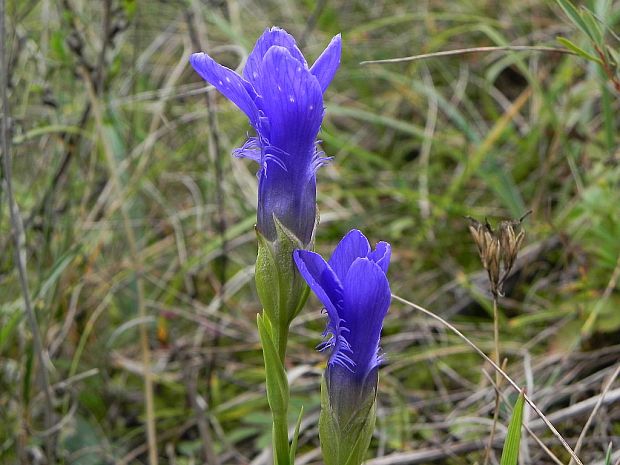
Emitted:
<point x="99" y="72"/>
<point x="138" y="271"/>
<point x="584" y="431"/>
<point x="199" y="406"/>
<point x="497" y="378"/>
<point x="464" y="51"/>
<point x="19" y="241"/>
<point x="498" y="369"/>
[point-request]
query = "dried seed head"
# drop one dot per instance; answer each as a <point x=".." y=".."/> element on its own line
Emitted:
<point x="498" y="249"/>
<point x="511" y="237"/>
<point x="493" y="258"/>
<point x="478" y="233"/>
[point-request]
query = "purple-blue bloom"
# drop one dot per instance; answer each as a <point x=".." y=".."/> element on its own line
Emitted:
<point x="283" y="99"/>
<point x="355" y="291"/>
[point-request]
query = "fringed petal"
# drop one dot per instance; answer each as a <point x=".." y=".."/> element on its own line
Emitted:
<point x="250" y="149"/>
<point x="366" y="301"/>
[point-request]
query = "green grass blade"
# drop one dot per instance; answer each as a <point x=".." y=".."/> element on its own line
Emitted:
<point x="510" y="454"/>
<point x="296" y="436"/>
<point x="575" y="17"/>
<point x="578" y="50"/>
<point x="608" y="455"/>
<point x="592" y="25"/>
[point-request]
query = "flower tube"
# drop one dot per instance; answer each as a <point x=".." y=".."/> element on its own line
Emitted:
<point x="355" y="291"/>
<point x="283" y="99"/>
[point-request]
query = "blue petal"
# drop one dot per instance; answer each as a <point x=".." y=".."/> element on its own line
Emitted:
<point x="274" y="36"/>
<point x="352" y="246"/>
<point x="325" y="67"/>
<point x="323" y="282"/>
<point x="293" y="103"/>
<point x="381" y="255"/>
<point x="228" y="83"/>
<point x="366" y="302"/>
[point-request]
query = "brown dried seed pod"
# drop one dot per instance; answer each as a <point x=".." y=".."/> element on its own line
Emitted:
<point x="498" y="250"/>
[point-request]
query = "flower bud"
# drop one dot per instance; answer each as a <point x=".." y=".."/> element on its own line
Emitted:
<point x="355" y="291"/>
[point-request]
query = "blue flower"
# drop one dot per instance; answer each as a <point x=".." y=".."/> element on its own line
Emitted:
<point x="283" y="99"/>
<point x="355" y="291"/>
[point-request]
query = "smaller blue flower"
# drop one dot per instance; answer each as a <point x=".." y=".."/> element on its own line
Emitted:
<point x="283" y="99"/>
<point x="355" y="291"/>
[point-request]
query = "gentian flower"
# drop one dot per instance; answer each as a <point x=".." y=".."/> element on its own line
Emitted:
<point x="283" y="99"/>
<point x="355" y="291"/>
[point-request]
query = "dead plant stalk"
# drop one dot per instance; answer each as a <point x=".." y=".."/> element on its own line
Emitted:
<point x="19" y="241"/>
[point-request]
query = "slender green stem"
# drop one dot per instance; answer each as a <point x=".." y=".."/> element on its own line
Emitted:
<point x="277" y="385"/>
<point x="496" y="337"/>
<point x="497" y="379"/>
<point x="280" y="438"/>
<point x="280" y="419"/>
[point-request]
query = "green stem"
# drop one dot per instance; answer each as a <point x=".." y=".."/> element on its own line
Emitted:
<point x="280" y="419"/>
<point x="273" y="341"/>
<point x="280" y="438"/>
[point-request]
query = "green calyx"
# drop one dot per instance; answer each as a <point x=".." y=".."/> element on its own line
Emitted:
<point x="281" y="289"/>
<point x="346" y="444"/>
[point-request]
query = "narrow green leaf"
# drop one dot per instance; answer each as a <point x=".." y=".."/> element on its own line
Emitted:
<point x="510" y="454"/>
<point x="578" y="50"/>
<point x="360" y="447"/>
<point x="277" y="384"/>
<point x="49" y="129"/>
<point x="593" y="25"/>
<point x="613" y="56"/>
<point x="295" y="437"/>
<point x="328" y="429"/>
<point x="7" y="328"/>
<point x="56" y="271"/>
<point x="609" y="118"/>
<point x="608" y="455"/>
<point x="574" y="16"/>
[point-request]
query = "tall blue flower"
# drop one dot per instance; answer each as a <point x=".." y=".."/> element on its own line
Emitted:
<point x="283" y="99"/>
<point x="355" y="291"/>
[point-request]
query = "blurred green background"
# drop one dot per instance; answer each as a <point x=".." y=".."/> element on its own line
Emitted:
<point x="111" y="130"/>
